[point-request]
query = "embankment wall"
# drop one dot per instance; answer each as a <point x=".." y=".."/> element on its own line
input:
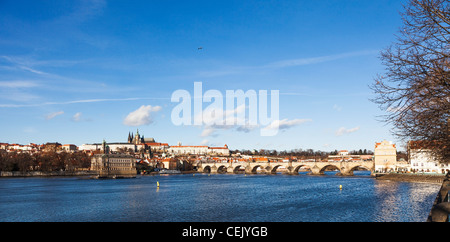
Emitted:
<point x="49" y="173"/>
<point x="406" y="177"/>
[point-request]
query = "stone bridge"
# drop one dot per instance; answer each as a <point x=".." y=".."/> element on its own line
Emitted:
<point x="345" y="168"/>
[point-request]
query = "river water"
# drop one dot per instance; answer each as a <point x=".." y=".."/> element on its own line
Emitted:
<point x="218" y="197"/>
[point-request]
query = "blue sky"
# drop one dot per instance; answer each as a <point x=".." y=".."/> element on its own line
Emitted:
<point x="83" y="71"/>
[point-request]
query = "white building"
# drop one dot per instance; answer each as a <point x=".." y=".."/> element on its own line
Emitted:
<point x="343" y="153"/>
<point x="198" y="150"/>
<point x="422" y="160"/>
<point x="115" y="147"/>
<point x="188" y="149"/>
<point x="223" y="151"/>
<point x="69" y="148"/>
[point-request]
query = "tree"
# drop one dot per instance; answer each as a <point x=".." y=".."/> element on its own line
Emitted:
<point x="415" y="90"/>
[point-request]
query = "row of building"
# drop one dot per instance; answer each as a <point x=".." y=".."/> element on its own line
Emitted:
<point x="420" y="159"/>
<point x="33" y="148"/>
<point x="137" y="143"/>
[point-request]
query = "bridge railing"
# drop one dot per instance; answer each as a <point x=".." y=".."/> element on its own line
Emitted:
<point x="440" y="211"/>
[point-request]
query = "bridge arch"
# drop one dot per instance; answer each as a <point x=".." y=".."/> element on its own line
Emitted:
<point x="255" y="169"/>
<point x="237" y="168"/>
<point x="207" y="169"/>
<point x="273" y="169"/>
<point x="357" y="166"/>
<point x="222" y="169"/>
<point x="330" y="166"/>
<point x="296" y="169"/>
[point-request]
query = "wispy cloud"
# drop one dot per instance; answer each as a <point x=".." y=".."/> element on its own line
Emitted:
<point x="18" y="84"/>
<point x="230" y="70"/>
<point x="342" y="130"/>
<point x="53" y="115"/>
<point x="286" y="124"/>
<point x="21" y="63"/>
<point x="316" y="60"/>
<point x="80" y="101"/>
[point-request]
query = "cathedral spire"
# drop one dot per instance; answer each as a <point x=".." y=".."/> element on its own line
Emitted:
<point x="129" y="137"/>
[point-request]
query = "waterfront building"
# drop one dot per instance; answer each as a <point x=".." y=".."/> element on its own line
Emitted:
<point x="113" y="165"/>
<point x="385" y="156"/>
<point x="421" y="159"/>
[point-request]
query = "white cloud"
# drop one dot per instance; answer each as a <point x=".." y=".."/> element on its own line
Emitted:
<point x="285" y="123"/>
<point x="342" y="130"/>
<point x="337" y="107"/>
<point x="227" y="120"/>
<point x="141" y="116"/>
<point x="53" y="115"/>
<point x="77" y="117"/>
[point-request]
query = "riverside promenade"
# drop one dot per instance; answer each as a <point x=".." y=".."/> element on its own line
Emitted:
<point x="411" y="177"/>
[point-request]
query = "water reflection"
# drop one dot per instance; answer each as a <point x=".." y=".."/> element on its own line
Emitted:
<point x="402" y="201"/>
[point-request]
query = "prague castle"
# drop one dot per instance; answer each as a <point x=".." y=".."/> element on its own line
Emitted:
<point x="137" y="143"/>
<point x="134" y="143"/>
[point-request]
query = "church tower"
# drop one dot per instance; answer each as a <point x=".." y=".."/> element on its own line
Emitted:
<point x="137" y="137"/>
<point x="130" y="139"/>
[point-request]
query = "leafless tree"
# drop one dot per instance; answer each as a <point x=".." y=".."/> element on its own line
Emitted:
<point x="415" y="88"/>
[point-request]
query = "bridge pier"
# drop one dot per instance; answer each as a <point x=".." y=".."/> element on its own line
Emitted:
<point x="230" y="169"/>
<point x="345" y="172"/>
<point x="315" y="170"/>
<point x="214" y="169"/>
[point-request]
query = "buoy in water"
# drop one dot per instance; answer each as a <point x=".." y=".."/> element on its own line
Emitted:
<point x="157" y="183"/>
<point x="340" y="187"/>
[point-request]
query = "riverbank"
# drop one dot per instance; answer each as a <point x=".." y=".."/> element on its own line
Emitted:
<point x="46" y="174"/>
<point x="408" y="177"/>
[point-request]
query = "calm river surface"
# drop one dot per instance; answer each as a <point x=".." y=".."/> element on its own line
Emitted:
<point x="221" y="198"/>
